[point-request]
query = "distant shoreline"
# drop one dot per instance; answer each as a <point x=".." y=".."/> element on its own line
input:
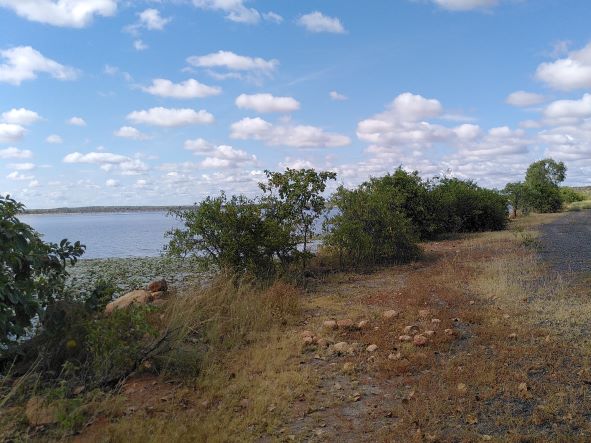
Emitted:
<point x="102" y="209"/>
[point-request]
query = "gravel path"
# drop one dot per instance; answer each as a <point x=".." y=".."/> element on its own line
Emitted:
<point x="566" y="243"/>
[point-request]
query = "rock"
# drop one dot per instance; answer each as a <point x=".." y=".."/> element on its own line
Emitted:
<point x="341" y="347"/>
<point x="323" y="343"/>
<point x="471" y="302"/>
<point x="462" y="388"/>
<point x="388" y="315"/>
<point x="39" y="413"/>
<point x="420" y="340"/>
<point x="345" y="324"/>
<point x="513" y="336"/>
<point x="506" y="316"/>
<point x="362" y="324"/>
<point x="139" y="297"/>
<point x="305" y="334"/>
<point x="429" y="333"/>
<point x="158" y="286"/>
<point x="522" y="388"/>
<point x="424" y="313"/>
<point x="396" y="356"/>
<point x="78" y="390"/>
<point x="435" y="320"/>
<point x="449" y="332"/>
<point x="471" y="419"/>
<point x="371" y="348"/>
<point x="329" y="324"/>
<point x="308" y="340"/>
<point x="405" y="338"/>
<point x="411" y="330"/>
<point x="348" y="368"/>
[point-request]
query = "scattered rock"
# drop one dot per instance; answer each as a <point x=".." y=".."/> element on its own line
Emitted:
<point x="472" y="302"/>
<point x="435" y="320"/>
<point x="411" y="330"/>
<point x="39" y="413"/>
<point x="305" y="334"/>
<point x="345" y="324"/>
<point x="322" y="342"/>
<point x="341" y="347"/>
<point x="348" y="368"/>
<point x="362" y="324"/>
<point x="462" y="388"/>
<point x="522" y="388"/>
<point x="506" y="316"/>
<point x="420" y="340"/>
<point x="78" y="390"/>
<point x="371" y="348"/>
<point x="424" y="313"/>
<point x="471" y="419"/>
<point x="513" y="336"/>
<point x="396" y="356"/>
<point x="139" y="297"/>
<point x="449" y="332"/>
<point x="429" y="333"/>
<point x="405" y="338"/>
<point x="309" y="340"/>
<point x="388" y="315"/>
<point x="158" y="286"/>
<point x="329" y="324"/>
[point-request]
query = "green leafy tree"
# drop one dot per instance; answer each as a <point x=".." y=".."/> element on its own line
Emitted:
<point x="542" y="182"/>
<point x="32" y="272"/>
<point x="296" y="196"/>
<point x="516" y="194"/>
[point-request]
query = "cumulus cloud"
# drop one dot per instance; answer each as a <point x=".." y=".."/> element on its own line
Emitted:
<point x="170" y="117"/>
<point x="571" y="142"/>
<point x="107" y="161"/>
<point x="24" y="63"/>
<point x="273" y="17"/>
<point x="139" y="45"/>
<point x="569" y="110"/>
<point x="567" y="74"/>
<point x="286" y="134"/>
<point x="234" y="62"/>
<point x="22" y="166"/>
<point x="54" y="139"/>
<point x="17" y="176"/>
<point x="465" y="5"/>
<point x="222" y="156"/>
<point x="15" y="153"/>
<point x="131" y="133"/>
<point x="318" y="22"/>
<point x="63" y="13"/>
<point x="334" y="95"/>
<point x="20" y="116"/>
<point x="152" y="20"/>
<point x="10" y="132"/>
<point x="185" y="90"/>
<point x="267" y="103"/>
<point x="112" y="183"/>
<point x="76" y="121"/>
<point x="235" y="10"/>
<point x="523" y="99"/>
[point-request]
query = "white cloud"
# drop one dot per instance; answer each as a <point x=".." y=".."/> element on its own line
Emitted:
<point x="568" y="111"/>
<point x="235" y="9"/>
<point x="286" y="134"/>
<point x="267" y="103"/>
<point x="107" y="161"/>
<point x="54" y="139"/>
<point x="17" y="176"/>
<point x="318" y="22"/>
<point x="112" y="183"/>
<point x="465" y="5"/>
<point x="20" y="116"/>
<point x="334" y="95"/>
<point x="64" y="13"/>
<point x="131" y="133"/>
<point x="15" y="153"/>
<point x="185" y="90"/>
<point x="10" y="132"/>
<point x="234" y="62"/>
<point x="198" y="146"/>
<point x="22" y="166"/>
<point x="139" y="45"/>
<point x="23" y="63"/>
<point x="170" y="117"/>
<point x="76" y="121"/>
<point x="567" y="74"/>
<point x="571" y="142"/>
<point x="523" y="99"/>
<point x="152" y="20"/>
<point x="222" y="156"/>
<point x="273" y="17"/>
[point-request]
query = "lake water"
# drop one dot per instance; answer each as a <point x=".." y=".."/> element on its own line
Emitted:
<point x="107" y="235"/>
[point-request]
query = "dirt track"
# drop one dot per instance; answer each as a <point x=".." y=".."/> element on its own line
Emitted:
<point x="566" y="243"/>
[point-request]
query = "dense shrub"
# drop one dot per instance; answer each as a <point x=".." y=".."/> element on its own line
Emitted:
<point x="32" y="272"/>
<point x="463" y="206"/>
<point x="367" y="229"/>
<point x="541" y="180"/>
<point x="569" y="195"/>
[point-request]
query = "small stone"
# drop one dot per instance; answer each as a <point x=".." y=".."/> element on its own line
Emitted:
<point x="345" y="324"/>
<point x="78" y="390"/>
<point x="396" y="356"/>
<point x="307" y="334"/>
<point x="435" y="320"/>
<point x="420" y="340"/>
<point x="471" y="302"/>
<point x="362" y="324"/>
<point x="341" y="347"/>
<point x="423" y="313"/>
<point x="329" y="324"/>
<point x="449" y="332"/>
<point x="322" y="342"/>
<point x="429" y="333"/>
<point x="512" y="336"/>
<point x="506" y="316"/>
<point x="388" y="315"/>
<point x="309" y="340"/>
<point x="522" y="388"/>
<point x="411" y="330"/>
<point x="338" y="386"/>
<point x="471" y="419"/>
<point x="462" y="388"/>
<point x="348" y="368"/>
<point x="486" y="437"/>
<point x="39" y="413"/>
<point x="371" y="348"/>
<point x="405" y="338"/>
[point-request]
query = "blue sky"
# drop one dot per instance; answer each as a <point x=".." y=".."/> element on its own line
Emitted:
<point x="113" y="102"/>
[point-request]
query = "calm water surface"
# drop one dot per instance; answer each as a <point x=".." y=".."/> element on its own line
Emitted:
<point x="106" y="235"/>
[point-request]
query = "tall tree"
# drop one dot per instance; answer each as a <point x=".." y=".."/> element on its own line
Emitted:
<point x="542" y="180"/>
<point x="516" y="196"/>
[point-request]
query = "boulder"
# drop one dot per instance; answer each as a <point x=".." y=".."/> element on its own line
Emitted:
<point x="40" y="413"/>
<point x="329" y="324"/>
<point x="341" y="347"/>
<point x="139" y="297"/>
<point x="158" y="286"/>
<point x="346" y="323"/>
<point x="372" y="348"/>
<point x="388" y="315"/>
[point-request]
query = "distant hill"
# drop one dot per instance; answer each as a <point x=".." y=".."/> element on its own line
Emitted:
<point x="103" y="209"/>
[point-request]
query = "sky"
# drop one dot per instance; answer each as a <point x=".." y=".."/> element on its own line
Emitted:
<point x="163" y="102"/>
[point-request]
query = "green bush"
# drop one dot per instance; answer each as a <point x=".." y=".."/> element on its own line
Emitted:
<point x="569" y="195"/>
<point x="368" y="230"/>
<point x="32" y="272"/>
<point x="541" y="180"/>
<point x="463" y="206"/>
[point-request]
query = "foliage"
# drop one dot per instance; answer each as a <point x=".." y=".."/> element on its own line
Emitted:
<point x="295" y="197"/>
<point x="516" y="194"/>
<point x="569" y="195"/>
<point x="367" y="229"/>
<point x="236" y="233"/>
<point x="542" y="180"/>
<point x="32" y="272"/>
<point x="464" y="206"/>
